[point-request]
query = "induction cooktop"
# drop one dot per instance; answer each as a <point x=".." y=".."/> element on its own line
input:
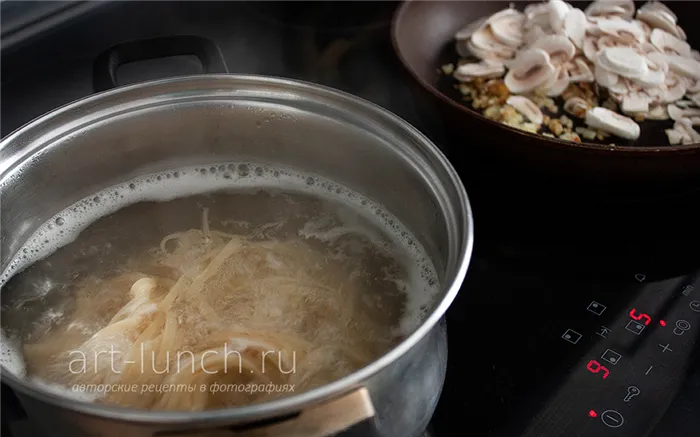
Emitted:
<point x="580" y="316"/>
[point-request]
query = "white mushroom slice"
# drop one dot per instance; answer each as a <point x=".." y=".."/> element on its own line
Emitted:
<point x="656" y="5"/>
<point x="590" y="48"/>
<point x="484" y="39"/>
<point x="528" y="71"/>
<point x="695" y="55"/>
<point x="696" y="99"/>
<point x="507" y="27"/>
<point x="620" y="87"/>
<point x="527" y="108"/>
<point x="557" y="12"/>
<point x="677" y="113"/>
<point x="692" y="86"/>
<point x="559" y="48"/>
<point x="623" y="61"/>
<point x="669" y="44"/>
<point x="559" y="82"/>
<point x="575" y="26"/>
<point x="658" y="112"/>
<point x="604" y="77"/>
<point x="533" y="11"/>
<point x="487" y="70"/>
<point x="576" y="106"/>
<point x="533" y="34"/>
<point x="685" y="103"/>
<point x="684" y="66"/>
<point x="658" y="20"/>
<point x="635" y="103"/>
<point x="484" y="54"/>
<point x="612" y="122"/>
<point x="622" y="30"/>
<point x="579" y="71"/>
<point x="686" y="125"/>
<point x="467" y="31"/>
<point x="657" y="60"/>
<point x="656" y="74"/>
<point x="648" y="48"/>
<point x="673" y="93"/>
<point x="675" y="137"/>
<point x="608" y="8"/>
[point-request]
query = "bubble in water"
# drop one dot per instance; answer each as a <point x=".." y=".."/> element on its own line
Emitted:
<point x="231" y="167"/>
<point x="243" y="170"/>
<point x="310" y="181"/>
<point x="276" y="174"/>
<point x="203" y="171"/>
<point x="259" y="171"/>
<point x="96" y="199"/>
<point x="212" y="169"/>
<point x="176" y="174"/>
<point x="159" y="177"/>
<point x="60" y="221"/>
<point x="132" y="186"/>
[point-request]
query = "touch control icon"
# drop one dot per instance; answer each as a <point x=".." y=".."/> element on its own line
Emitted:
<point x="596" y="308"/>
<point x="611" y="357"/>
<point x="571" y="336"/>
<point x="632" y="391"/>
<point x="695" y="306"/>
<point x="681" y="327"/>
<point x="612" y="418"/>
<point x="635" y="328"/>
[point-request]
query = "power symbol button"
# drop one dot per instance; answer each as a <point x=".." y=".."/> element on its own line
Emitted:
<point x="612" y="418"/>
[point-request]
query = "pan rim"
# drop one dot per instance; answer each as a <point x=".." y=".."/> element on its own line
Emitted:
<point x="618" y="151"/>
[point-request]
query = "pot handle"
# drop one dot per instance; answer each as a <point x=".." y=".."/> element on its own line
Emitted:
<point x="104" y="73"/>
<point x="351" y="415"/>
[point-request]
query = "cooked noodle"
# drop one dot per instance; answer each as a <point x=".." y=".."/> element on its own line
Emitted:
<point x="212" y="307"/>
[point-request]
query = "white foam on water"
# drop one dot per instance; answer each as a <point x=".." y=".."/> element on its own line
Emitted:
<point x="421" y="288"/>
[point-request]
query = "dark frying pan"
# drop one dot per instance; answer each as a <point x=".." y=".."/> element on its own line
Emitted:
<point x="422" y="34"/>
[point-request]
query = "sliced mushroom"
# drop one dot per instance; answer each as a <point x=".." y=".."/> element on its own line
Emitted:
<point x="467" y="31"/>
<point x="684" y="66"/>
<point x="604" y="77"/>
<point x="575" y="24"/>
<point x="558" y="83"/>
<point x="696" y="99"/>
<point x="484" y="39"/>
<point x="635" y="103"/>
<point x="507" y="27"/>
<point x="675" y="89"/>
<point x="559" y="48"/>
<point x="657" y="112"/>
<point x="658" y="16"/>
<point x="557" y="13"/>
<point x="612" y="122"/>
<point x="604" y="8"/>
<point x="685" y="125"/>
<point x="484" y="69"/>
<point x="669" y="44"/>
<point x="527" y="108"/>
<point x="676" y="137"/>
<point x="623" y="61"/>
<point x="579" y="71"/>
<point x="576" y="106"/>
<point x="655" y="75"/>
<point x="532" y="34"/>
<point x="622" y="29"/>
<point x="695" y="55"/>
<point x="590" y="47"/>
<point x="677" y="113"/>
<point x="530" y="69"/>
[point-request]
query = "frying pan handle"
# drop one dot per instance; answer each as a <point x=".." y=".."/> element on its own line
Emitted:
<point x="351" y="415"/>
<point x="104" y="73"/>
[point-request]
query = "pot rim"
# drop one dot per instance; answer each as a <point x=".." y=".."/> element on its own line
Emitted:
<point x="293" y="403"/>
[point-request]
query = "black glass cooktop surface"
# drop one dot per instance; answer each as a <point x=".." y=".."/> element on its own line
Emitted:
<point x="580" y="316"/>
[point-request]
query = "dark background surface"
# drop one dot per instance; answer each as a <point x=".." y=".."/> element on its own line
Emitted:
<point x="542" y="250"/>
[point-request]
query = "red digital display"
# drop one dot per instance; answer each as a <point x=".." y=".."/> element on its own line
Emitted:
<point x="595" y="367"/>
<point x="662" y="323"/>
<point x="641" y="316"/>
<point x="592" y="414"/>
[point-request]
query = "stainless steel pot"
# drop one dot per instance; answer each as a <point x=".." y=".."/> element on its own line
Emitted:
<point x="117" y="135"/>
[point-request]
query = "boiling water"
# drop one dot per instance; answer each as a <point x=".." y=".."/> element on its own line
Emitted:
<point x="82" y="254"/>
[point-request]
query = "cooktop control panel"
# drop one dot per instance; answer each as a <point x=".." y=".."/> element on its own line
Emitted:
<point x="629" y="360"/>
